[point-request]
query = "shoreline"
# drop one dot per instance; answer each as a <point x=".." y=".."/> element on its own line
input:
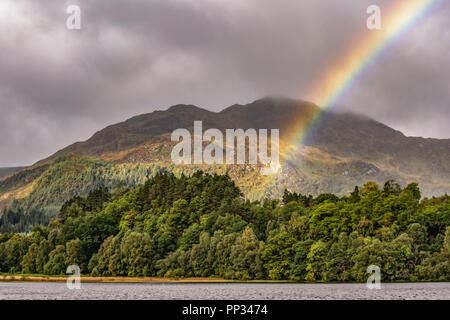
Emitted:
<point x="118" y="279"/>
<point x="124" y="279"/>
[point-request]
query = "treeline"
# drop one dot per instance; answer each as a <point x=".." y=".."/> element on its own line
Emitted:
<point x="201" y="226"/>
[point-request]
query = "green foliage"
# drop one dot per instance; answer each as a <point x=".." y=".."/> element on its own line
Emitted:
<point x="57" y="261"/>
<point x="136" y="250"/>
<point x="201" y="226"/>
<point x="29" y="261"/>
<point x="75" y="254"/>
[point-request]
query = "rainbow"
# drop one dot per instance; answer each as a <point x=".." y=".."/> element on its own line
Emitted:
<point x="400" y="18"/>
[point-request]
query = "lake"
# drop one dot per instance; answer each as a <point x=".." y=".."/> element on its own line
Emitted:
<point x="222" y="291"/>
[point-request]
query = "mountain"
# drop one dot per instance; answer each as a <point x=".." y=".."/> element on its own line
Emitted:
<point x="7" y="171"/>
<point x="342" y="150"/>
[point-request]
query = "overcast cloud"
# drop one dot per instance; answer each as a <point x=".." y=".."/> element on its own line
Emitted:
<point x="59" y="86"/>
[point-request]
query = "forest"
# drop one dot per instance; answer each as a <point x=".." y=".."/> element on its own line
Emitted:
<point x="202" y="226"/>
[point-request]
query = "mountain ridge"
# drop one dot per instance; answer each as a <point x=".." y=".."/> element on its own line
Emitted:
<point x="182" y="116"/>
<point x="268" y="112"/>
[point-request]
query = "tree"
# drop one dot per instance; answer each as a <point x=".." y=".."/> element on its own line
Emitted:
<point x="75" y="254"/>
<point x="446" y="248"/>
<point x="277" y="253"/>
<point x="189" y="237"/>
<point x="14" y="251"/>
<point x="412" y="190"/>
<point x="199" y="257"/>
<point x="246" y="258"/>
<point x="29" y="260"/>
<point x="354" y="196"/>
<point x="392" y="188"/>
<point x="102" y="260"/>
<point x="317" y="262"/>
<point x="56" y="264"/>
<point x="418" y="234"/>
<point x="299" y="262"/>
<point x="137" y="252"/>
<point x="43" y="255"/>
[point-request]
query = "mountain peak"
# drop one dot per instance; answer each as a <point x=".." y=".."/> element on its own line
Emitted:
<point x="184" y="108"/>
<point x="276" y="99"/>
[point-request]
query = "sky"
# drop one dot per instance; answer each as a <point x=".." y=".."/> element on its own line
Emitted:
<point x="58" y="86"/>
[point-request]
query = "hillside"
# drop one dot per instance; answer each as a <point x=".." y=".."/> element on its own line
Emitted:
<point x="343" y="150"/>
<point x="7" y="171"/>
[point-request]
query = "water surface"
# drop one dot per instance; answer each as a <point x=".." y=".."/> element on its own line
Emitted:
<point x="222" y="291"/>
